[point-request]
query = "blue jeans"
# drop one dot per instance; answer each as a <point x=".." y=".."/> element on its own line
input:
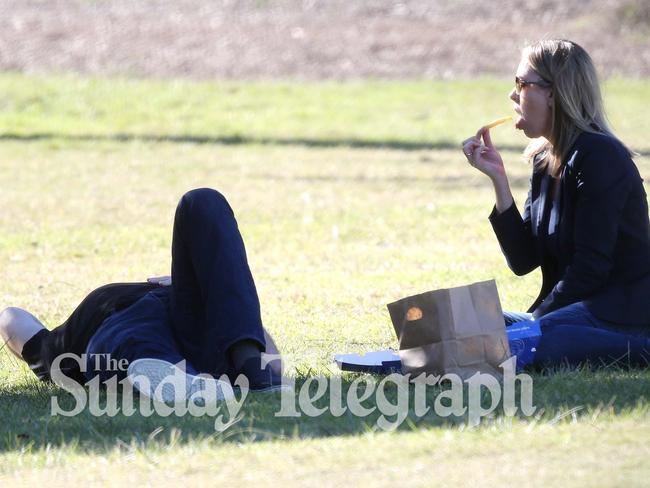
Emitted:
<point x="211" y="305"/>
<point x="142" y="330"/>
<point x="572" y="335"/>
<point x="214" y="302"/>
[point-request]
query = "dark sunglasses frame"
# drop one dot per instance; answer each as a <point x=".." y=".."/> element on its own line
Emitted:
<point x="521" y="84"/>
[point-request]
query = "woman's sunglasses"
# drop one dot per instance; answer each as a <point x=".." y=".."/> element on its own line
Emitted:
<point x="521" y="84"/>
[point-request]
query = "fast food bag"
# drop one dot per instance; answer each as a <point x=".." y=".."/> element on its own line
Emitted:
<point x="457" y="330"/>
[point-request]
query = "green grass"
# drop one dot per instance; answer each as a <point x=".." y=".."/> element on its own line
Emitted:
<point x="407" y="114"/>
<point x="348" y="197"/>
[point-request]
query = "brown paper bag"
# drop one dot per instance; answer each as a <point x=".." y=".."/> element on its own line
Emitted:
<point x="457" y="330"/>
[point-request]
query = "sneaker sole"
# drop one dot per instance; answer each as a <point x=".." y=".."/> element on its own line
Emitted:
<point x="272" y="389"/>
<point x="157" y="370"/>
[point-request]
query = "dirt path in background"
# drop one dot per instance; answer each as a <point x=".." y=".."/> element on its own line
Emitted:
<point x="313" y="39"/>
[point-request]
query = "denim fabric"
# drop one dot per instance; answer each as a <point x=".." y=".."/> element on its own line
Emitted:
<point x="573" y="335"/>
<point x="139" y="331"/>
<point x="214" y="302"/>
<point x="211" y="305"/>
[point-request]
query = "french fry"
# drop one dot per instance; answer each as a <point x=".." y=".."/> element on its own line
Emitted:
<point x="500" y="121"/>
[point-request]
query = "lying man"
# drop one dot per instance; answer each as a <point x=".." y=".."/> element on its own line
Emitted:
<point x="207" y="313"/>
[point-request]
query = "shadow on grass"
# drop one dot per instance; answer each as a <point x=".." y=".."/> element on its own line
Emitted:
<point x="395" y="144"/>
<point x="28" y="425"/>
<point x="461" y="181"/>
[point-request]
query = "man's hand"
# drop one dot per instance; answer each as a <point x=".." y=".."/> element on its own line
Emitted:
<point x="160" y="280"/>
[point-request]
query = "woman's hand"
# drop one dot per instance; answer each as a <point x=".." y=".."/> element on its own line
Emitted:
<point x="483" y="156"/>
<point x="160" y="280"/>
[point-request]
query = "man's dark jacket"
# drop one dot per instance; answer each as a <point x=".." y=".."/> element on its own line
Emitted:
<point x="73" y="335"/>
<point x="603" y="234"/>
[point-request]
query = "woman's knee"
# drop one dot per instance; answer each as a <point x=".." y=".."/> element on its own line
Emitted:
<point x="575" y="314"/>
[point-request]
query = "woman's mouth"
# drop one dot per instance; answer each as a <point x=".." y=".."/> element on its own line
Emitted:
<point x="519" y="120"/>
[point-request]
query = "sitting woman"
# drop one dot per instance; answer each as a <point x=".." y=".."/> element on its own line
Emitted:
<point x="585" y="221"/>
<point x="207" y="313"/>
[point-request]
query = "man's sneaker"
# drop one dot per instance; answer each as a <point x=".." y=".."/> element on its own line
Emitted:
<point x="166" y="382"/>
<point x="262" y="380"/>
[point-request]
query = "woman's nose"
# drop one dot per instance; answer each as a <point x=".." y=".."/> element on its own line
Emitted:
<point x="514" y="96"/>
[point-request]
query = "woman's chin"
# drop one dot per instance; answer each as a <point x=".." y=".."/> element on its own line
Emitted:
<point x="521" y="125"/>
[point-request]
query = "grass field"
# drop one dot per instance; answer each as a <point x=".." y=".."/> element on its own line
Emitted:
<point x="349" y="197"/>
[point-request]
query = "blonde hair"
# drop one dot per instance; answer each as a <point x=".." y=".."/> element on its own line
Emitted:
<point x="577" y="102"/>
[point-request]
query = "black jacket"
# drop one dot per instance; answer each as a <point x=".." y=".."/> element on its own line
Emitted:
<point x="603" y="235"/>
<point x="73" y="335"/>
